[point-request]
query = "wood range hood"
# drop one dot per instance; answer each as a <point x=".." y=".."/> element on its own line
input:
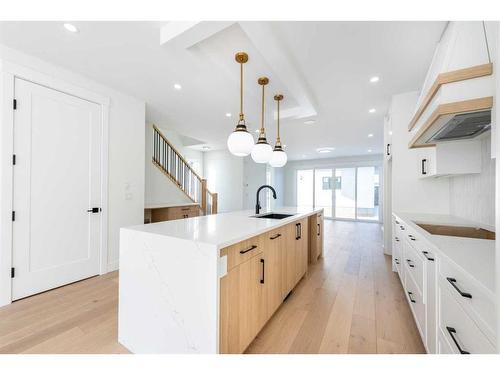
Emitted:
<point x="457" y="106"/>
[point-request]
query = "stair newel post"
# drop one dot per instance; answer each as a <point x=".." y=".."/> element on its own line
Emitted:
<point x="214" y="203"/>
<point x="204" y="196"/>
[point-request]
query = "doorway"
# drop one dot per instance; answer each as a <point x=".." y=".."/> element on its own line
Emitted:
<point x="56" y="235"/>
<point x="345" y="193"/>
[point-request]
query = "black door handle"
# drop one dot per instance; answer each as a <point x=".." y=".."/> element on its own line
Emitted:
<point x="249" y="249"/>
<point x="95" y="210"/>
<point x="426" y="255"/>
<point x="424" y="161"/>
<point x="274" y="237"/>
<point x="452" y="281"/>
<point x="263" y="271"/>
<point x="411" y="299"/>
<point x="452" y="331"/>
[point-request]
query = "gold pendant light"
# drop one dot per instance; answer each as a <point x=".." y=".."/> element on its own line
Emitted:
<point x="262" y="151"/>
<point x="279" y="157"/>
<point x="240" y="142"/>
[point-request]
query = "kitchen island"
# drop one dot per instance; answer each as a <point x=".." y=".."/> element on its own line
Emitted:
<point x="208" y="284"/>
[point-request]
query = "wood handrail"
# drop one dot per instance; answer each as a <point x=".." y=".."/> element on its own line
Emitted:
<point x="173" y="165"/>
<point x="449" y="77"/>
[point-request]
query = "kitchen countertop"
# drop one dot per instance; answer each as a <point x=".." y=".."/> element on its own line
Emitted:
<point x="167" y="205"/>
<point x="223" y="229"/>
<point x="475" y="256"/>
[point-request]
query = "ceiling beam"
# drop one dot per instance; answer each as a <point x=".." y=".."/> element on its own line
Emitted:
<point x="185" y="34"/>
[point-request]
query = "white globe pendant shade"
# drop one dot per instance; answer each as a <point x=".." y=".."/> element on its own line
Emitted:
<point x="240" y="143"/>
<point x="278" y="159"/>
<point x="262" y="152"/>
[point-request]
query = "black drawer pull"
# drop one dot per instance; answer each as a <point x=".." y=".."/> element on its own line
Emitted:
<point x="263" y="271"/>
<point x="319" y="229"/>
<point x="409" y="263"/>
<point x="274" y="237"/>
<point x="426" y="255"/>
<point x="424" y="162"/>
<point x="411" y="299"/>
<point x="298" y="231"/>
<point x="402" y="228"/>
<point x="397" y="222"/>
<point x="452" y="281"/>
<point x="452" y="331"/>
<point x="396" y="260"/>
<point x="411" y="237"/>
<point x="249" y="249"/>
<point x="396" y="239"/>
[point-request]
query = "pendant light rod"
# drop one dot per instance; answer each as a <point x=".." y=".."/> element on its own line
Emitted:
<point x="263" y="81"/>
<point x="278" y="98"/>
<point x="241" y="58"/>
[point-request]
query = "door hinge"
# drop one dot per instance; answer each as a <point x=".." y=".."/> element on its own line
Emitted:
<point x="12" y="272"/>
<point x="14" y="159"/>
<point x="14" y="104"/>
<point x="13" y="215"/>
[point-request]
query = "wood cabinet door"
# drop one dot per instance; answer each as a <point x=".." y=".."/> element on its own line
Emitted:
<point x="290" y="256"/>
<point x="273" y="269"/>
<point x="301" y="250"/>
<point x="243" y="306"/>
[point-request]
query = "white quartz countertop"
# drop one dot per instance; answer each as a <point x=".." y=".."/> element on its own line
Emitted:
<point x="474" y="256"/>
<point x="149" y="206"/>
<point x="223" y="229"/>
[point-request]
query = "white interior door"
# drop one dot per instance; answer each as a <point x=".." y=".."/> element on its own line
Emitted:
<point x="57" y="178"/>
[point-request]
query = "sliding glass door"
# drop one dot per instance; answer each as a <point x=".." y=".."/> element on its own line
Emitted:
<point x="350" y="193"/>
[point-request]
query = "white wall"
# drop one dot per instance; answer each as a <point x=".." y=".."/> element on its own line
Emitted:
<point x="290" y="170"/>
<point x="472" y="196"/>
<point x="254" y="176"/>
<point x="126" y="147"/>
<point x="409" y="192"/>
<point x="224" y="174"/>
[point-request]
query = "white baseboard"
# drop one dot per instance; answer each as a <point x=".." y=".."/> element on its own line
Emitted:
<point x="113" y="266"/>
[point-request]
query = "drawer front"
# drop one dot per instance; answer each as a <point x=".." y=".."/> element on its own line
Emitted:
<point x="463" y="335"/>
<point x="242" y="251"/>
<point x="417" y="305"/>
<point x="471" y="296"/>
<point x="415" y="266"/>
<point x="396" y="254"/>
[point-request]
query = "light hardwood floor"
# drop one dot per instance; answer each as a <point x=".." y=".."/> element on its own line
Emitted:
<point x="349" y="302"/>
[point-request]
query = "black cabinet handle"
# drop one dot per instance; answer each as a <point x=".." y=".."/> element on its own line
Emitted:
<point x="402" y="228"/>
<point x="396" y="239"/>
<point x="94" y="210"/>
<point x="388" y="149"/>
<point x="452" y="281"/>
<point x="249" y="249"/>
<point x="319" y="229"/>
<point x="297" y="231"/>
<point x="409" y="263"/>
<point x="263" y="271"/>
<point x="397" y="222"/>
<point x="452" y="331"/>
<point x="411" y="237"/>
<point x="426" y="255"/>
<point x="396" y="260"/>
<point x="424" y="161"/>
<point x="411" y="299"/>
<point x="274" y="237"/>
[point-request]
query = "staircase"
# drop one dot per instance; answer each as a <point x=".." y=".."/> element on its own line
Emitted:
<point x="171" y="163"/>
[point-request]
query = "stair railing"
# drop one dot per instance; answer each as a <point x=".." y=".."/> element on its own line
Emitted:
<point x="175" y="167"/>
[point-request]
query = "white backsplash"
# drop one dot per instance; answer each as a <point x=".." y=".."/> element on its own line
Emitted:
<point x="472" y="196"/>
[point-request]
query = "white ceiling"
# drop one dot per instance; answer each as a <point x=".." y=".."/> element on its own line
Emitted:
<point x="322" y="68"/>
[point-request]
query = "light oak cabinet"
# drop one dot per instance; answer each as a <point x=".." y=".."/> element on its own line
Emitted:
<point x="316" y="237"/>
<point x="154" y="215"/>
<point x="261" y="272"/>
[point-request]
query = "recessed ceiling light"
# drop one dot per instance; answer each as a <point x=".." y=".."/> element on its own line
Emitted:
<point x="372" y="110"/>
<point x="374" y="79"/>
<point x="325" y="150"/>
<point x="70" y="27"/>
<point x="228" y="114"/>
<point x="177" y="86"/>
<point x="370" y="135"/>
<point x="309" y="122"/>
<point x="369" y="150"/>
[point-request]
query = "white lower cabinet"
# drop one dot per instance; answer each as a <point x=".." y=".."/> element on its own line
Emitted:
<point x="453" y="313"/>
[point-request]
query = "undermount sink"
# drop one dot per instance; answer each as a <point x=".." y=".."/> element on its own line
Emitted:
<point x="456" y="231"/>
<point x="273" y="215"/>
